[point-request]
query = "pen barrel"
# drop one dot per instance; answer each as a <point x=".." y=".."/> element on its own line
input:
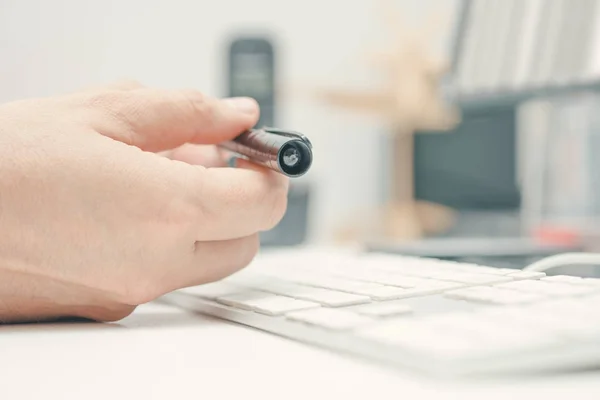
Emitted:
<point x="271" y="150"/>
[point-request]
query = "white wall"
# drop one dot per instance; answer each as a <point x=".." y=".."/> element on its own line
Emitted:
<point x="48" y="47"/>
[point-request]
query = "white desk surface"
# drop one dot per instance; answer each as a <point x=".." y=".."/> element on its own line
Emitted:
<point x="162" y="353"/>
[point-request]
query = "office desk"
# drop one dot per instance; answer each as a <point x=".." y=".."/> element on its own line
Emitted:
<point x="163" y="353"/>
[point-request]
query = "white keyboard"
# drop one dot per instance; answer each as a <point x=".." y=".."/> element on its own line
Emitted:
<point x="434" y="316"/>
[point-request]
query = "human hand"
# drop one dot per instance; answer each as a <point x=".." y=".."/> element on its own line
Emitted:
<point x="104" y="206"/>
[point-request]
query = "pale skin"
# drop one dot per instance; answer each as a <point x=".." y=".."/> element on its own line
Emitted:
<point x="113" y="196"/>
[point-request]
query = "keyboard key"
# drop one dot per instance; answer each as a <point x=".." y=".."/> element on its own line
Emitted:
<point x="439" y="270"/>
<point x="414" y="283"/>
<point x="211" y="291"/>
<point x="573" y="280"/>
<point x="470" y="278"/>
<point x="526" y="275"/>
<point x="479" y="269"/>
<point x="410" y="282"/>
<point x="242" y="300"/>
<point x="330" y="318"/>
<point x="440" y="285"/>
<point x="547" y="288"/>
<point x="493" y="295"/>
<point x="424" y="272"/>
<point x="328" y="298"/>
<point x="493" y="271"/>
<point x="384" y="309"/>
<point x="410" y="293"/>
<point x="373" y="290"/>
<point x="405" y="269"/>
<point x="324" y="297"/>
<point x="265" y="303"/>
<point x="381" y="292"/>
<point x="366" y="275"/>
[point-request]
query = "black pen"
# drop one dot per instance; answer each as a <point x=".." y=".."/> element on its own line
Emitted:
<point x="287" y="152"/>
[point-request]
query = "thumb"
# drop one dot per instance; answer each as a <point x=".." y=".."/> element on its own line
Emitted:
<point x="158" y="120"/>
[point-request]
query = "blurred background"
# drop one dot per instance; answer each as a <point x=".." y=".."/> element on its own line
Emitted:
<point x="451" y="128"/>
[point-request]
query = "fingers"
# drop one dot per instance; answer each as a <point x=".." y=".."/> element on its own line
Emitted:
<point x="237" y="202"/>
<point x="219" y="203"/>
<point x="213" y="215"/>
<point x="211" y="203"/>
<point x="212" y="261"/>
<point x="157" y="120"/>
<point x="206" y="155"/>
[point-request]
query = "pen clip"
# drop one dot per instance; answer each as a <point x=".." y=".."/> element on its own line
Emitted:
<point x="290" y="134"/>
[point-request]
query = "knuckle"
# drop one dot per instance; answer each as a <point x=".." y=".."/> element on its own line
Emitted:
<point x="199" y="105"/>
<point x="104" y="100"/>
<point x="109" y="103"/>
<point x="116" y="113"/>
<point x="118" y="104"/>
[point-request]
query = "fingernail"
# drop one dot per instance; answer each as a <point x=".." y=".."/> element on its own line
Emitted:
<point x="243" y="104"/>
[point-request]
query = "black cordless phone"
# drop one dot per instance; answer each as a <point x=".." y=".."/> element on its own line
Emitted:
<point x="252" y="74"/>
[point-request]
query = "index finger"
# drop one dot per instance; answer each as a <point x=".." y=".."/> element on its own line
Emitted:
<point x="158" y="120"/>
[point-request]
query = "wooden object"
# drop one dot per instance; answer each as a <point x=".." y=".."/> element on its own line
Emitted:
<point x="409" y="102"/>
